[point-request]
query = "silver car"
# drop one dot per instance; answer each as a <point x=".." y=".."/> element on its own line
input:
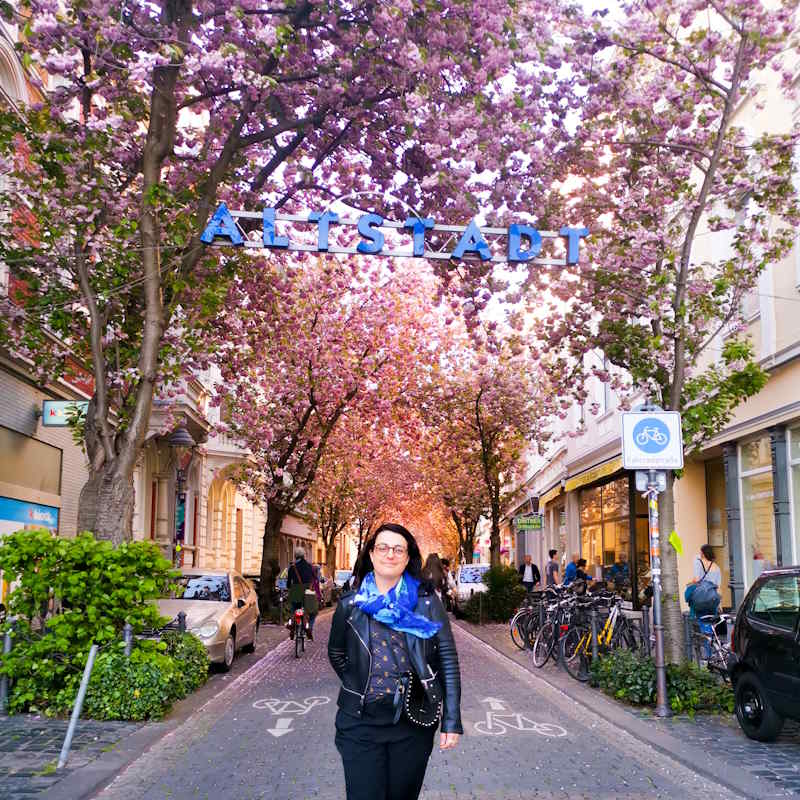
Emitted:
<point x="221" y="609"/>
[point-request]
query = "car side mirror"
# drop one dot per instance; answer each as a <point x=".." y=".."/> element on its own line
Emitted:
<point x="240" y="602"/>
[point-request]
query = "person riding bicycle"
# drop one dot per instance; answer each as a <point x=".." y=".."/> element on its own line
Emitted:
<point x="300" y="579"/>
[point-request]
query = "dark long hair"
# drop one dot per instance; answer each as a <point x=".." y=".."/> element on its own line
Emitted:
<point x="364" y="562"/>
<point x="433" y="570"/>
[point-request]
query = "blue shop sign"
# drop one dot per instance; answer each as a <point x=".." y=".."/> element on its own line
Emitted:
<point x="523" y="242"/>
<point x="21" y="513"/>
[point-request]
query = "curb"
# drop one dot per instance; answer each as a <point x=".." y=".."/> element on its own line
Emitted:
<point x="704" y="764"/>
<point x="87" y="781"/>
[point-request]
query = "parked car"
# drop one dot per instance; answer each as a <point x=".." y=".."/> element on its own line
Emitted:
<point x="469" y="580"/>
<point x="221" y="609"/>
<point x="340" y="578"/>
<point x="765" y="659"/>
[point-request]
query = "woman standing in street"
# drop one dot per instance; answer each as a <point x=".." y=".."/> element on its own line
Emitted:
<point x="392" y="648"/>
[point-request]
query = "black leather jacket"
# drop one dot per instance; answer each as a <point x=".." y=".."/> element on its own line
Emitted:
<point x="351" y="658"/>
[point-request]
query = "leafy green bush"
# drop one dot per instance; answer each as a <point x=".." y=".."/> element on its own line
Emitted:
<point x="504" y="595"/>
<point x="70" y="593"/>
<point x="630" y="677"/>
<point x="190" y="657"/>
<point x="142" y="687"/>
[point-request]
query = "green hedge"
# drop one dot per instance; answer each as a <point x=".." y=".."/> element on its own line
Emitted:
<point x="631" y="677"/>
<point x="503" y="598"/>
<point x="146" y="685"/>
<point x="70" y="593"/>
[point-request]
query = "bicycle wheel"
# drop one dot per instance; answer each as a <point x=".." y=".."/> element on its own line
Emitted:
<point x="576" y="653"/>
<point x="543" y="644"/>
<point x="627" y="637"/>
<point x="298" y="642"/>
<point x="517" y="629"/>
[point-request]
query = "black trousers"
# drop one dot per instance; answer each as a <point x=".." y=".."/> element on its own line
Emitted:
<point x="383" y="762"/>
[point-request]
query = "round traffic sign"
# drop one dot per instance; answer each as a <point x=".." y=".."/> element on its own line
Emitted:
<point x="651" y="435"/>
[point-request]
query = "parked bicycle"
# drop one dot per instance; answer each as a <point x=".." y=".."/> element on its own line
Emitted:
<point x="578" y="644"/>
<point x="524" y="625"/>
<point x="710" y="643"/>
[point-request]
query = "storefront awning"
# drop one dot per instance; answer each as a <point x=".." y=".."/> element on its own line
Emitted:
<point x="594" y="474"/>
<point x="550" y="495"/>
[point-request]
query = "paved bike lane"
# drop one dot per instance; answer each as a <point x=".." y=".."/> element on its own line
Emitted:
<point x="269" y="734"/>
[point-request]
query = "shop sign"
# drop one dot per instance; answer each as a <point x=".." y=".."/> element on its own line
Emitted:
<point x="652" y="440"/>
<point x="56" y="413"/>
<point x="529" y="522"/>
<point x="17" y="514"/>
<point x="523" y="242"/>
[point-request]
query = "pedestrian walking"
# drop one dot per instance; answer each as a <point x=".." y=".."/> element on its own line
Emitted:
<point x="393" y="650"/>
<point x="702" y="592"/>
<point x="529" y="574"/>
<point x="551" y="570"/>
<point x="450" y="582"/>
<point x="433" y="571"/>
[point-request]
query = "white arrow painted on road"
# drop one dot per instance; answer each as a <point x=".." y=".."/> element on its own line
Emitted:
<point x="282" y="726"/>
<point x="494" y="703"/>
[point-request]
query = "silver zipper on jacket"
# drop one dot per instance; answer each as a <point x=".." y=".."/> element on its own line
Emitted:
<point x="369" y="653"/>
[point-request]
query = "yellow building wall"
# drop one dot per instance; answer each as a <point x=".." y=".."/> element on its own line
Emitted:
<point x="690" y="519"/>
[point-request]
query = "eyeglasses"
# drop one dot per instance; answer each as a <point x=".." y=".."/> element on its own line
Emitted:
<point x="385" y="549"/>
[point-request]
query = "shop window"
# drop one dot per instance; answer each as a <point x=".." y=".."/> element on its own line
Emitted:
<point x="758" y="519"/>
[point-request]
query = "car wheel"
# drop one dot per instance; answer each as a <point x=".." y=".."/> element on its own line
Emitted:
<point x="757" y="718"/>
<point x="230" y="652"/>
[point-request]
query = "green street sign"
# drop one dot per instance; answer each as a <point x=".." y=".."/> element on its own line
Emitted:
<point x="533" y="522"/>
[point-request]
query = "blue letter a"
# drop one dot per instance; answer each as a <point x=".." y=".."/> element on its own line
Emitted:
<point x="472" y="241"/>
<point x="222" y="224"/>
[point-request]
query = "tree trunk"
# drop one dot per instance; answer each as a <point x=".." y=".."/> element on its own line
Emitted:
<point x="494" y="540"/>
<point x="330" y="557"/>
<point x="105" y="505"/>
<point x="674" y="650"/>
<point x="270" y="563"/>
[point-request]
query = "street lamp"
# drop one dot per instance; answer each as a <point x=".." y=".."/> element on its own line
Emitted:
<point x="181" y="441"/>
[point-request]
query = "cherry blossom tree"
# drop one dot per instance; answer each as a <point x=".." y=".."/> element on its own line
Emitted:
<point x="302" y="346"/>
<point x="156" y="112"/>
<point x="662" y="160"/>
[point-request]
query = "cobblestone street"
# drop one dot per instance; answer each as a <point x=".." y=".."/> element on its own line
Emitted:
<point x="778" y="763"/>
<point x="270" y="735"/>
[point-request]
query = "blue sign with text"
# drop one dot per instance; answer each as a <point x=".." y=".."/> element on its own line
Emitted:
<point x="524" y="242"/>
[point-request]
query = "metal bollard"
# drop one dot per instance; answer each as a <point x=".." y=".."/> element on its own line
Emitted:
<point x="7" y="643"/>
<point x="127" y="637"/>
<point x="76" y="710"/>
<point x="181" y="622"/>
<point x="646" y="629"/>
<point x="687" y="636"/>
<point x="593" y="620"/>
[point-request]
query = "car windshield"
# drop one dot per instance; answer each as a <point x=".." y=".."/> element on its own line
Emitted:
<point x="206" y="587"/>
<point x="343" y="574"/>
<point x="472" y="574"/>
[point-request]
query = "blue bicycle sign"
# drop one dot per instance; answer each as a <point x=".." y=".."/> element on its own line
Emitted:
<point x="651" y="435"/>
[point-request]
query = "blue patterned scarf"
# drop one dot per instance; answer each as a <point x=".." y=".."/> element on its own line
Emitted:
<point x="396" y="607"/>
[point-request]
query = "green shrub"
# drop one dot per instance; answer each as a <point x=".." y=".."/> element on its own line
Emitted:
<point x="70" y="593"/>
<point x="504" y="595"/>
<point x="632" y="678"/>
<point x="142" y="687"/>
<point x="190" y="657"/>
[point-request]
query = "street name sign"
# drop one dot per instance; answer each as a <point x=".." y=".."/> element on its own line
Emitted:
<point x="652" y="440"/>
<point x="55" y="413"/>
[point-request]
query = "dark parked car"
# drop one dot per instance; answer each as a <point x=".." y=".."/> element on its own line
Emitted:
<point x="765" y="667"/>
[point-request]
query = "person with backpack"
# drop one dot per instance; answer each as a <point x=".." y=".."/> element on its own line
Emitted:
<point x="702" y="592"/>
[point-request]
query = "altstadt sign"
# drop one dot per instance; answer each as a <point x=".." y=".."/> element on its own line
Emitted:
<point x="524" y="242"/>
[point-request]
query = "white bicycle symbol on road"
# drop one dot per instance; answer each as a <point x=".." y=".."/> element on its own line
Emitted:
<point x="651" y="435"/>
<point x="496" y="724"/>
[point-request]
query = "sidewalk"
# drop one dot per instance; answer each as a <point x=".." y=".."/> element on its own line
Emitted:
<point x="713" y="744"/>
<point x="30" y="744"/>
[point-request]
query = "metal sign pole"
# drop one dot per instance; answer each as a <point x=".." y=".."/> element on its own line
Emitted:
<point x="662" y="701"/>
